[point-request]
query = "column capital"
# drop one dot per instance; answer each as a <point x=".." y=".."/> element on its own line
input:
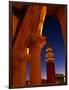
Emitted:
<point x="36" y="41"/>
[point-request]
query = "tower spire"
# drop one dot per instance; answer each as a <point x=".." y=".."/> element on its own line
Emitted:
<point x="51" y="78"/>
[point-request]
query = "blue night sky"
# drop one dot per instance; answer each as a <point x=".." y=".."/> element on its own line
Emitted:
<point x="52" y="31"/>
<point x="53" y="34"/>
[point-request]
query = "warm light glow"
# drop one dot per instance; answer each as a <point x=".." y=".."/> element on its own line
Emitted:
<point x="64" y="79"/>
<point x="42" y="17"/>
<point x="27" y="50"/>
<point x="40" y="27"/>
<point x="43" y="13"/>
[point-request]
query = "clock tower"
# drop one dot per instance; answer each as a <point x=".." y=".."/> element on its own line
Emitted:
<point x="51" y="78"/>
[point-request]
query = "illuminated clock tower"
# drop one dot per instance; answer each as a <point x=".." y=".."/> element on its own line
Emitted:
<point x="51" y="78"/>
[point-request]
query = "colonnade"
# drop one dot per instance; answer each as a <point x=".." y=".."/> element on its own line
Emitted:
<point x="29" y="37"/>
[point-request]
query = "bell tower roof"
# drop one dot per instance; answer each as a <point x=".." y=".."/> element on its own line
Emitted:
<point x="48" y="45"/>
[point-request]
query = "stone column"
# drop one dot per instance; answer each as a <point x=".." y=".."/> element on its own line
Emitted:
<point x="19" y="69"/>
<point x="19" y="75"/>
<point x="29" y="25"/>
<point x="36" y="43"/>
<point x="35" y="72"/>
